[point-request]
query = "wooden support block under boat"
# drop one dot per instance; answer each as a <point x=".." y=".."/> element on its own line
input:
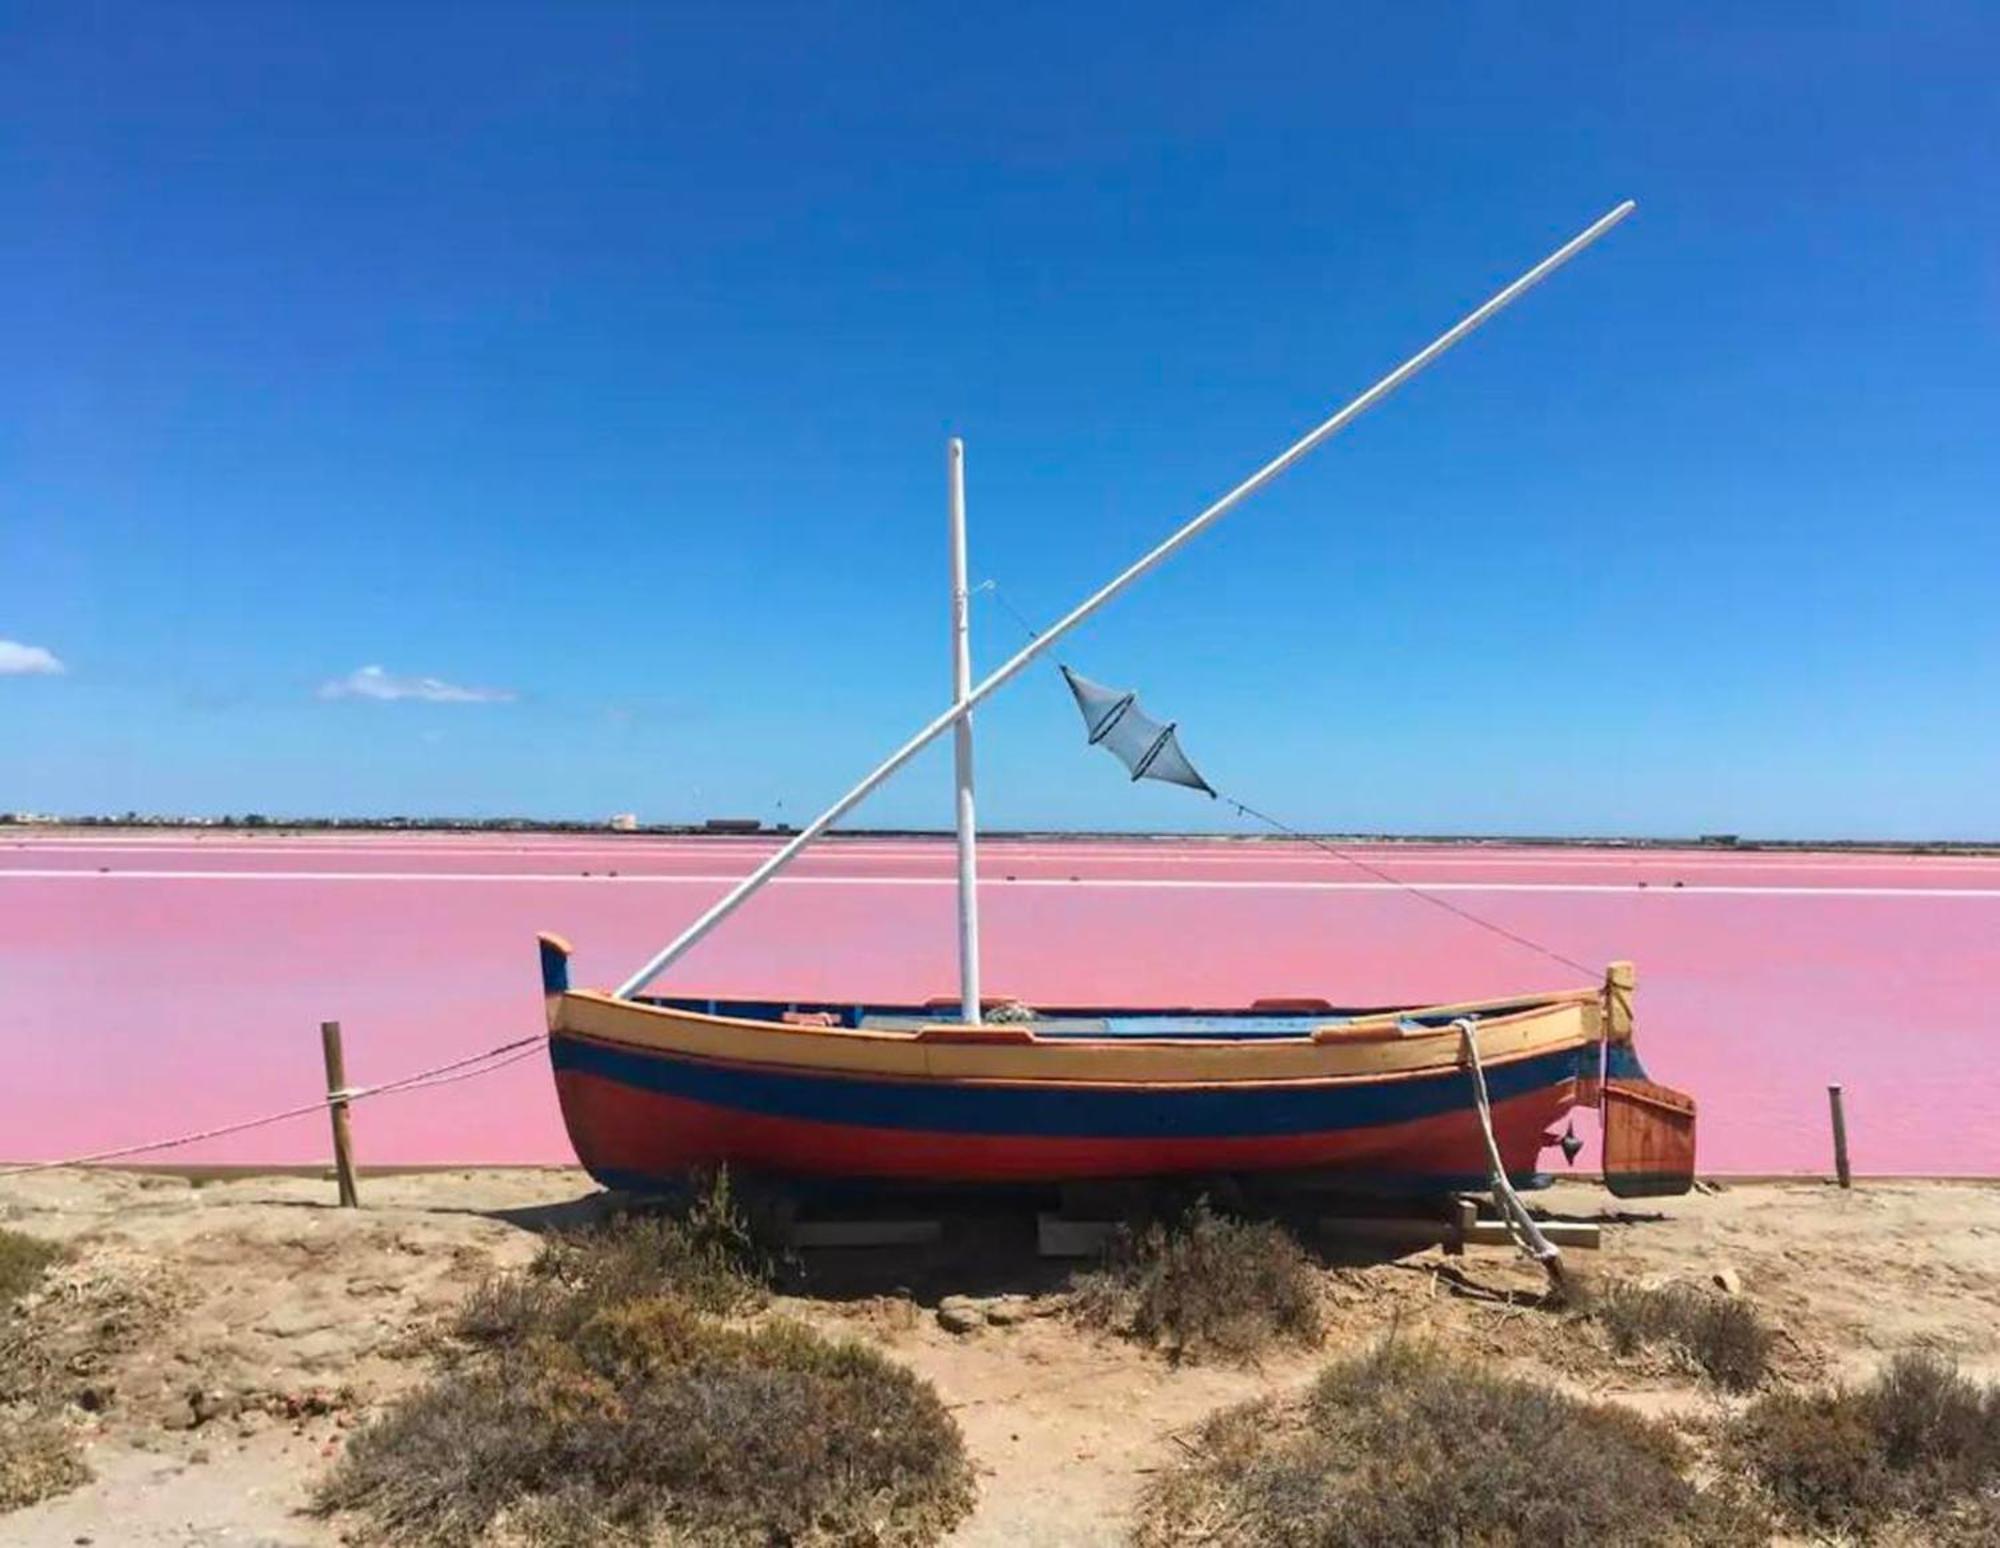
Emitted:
<point x="1420" y="1231"/>
<point x="805" y="1235"/>
<point x="1060" y="1237"/>
<point x="1057" y="1236"/>
<point x="1586" y="1235"/>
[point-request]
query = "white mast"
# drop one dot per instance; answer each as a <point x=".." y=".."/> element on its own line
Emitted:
<point x="723" y="907"/>
<point x="961" y="690"/>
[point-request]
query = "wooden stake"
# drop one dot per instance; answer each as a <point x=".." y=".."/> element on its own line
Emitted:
<point x="343" y="1138"/>
<point x="1840" y="1167"/>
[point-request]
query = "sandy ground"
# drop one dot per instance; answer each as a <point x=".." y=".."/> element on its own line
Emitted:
<point x="221" y="1339"/>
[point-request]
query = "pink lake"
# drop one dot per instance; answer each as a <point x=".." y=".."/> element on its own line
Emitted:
<point x="159" y="983"/>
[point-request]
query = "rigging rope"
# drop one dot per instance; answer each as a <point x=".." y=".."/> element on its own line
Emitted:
<point x="437" y="1075"/>
<point x="992" y="588"/>
<point x="1415" y="891"/>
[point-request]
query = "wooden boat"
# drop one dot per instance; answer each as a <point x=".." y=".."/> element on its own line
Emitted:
<point x="1429" y="1098"/>
<point x="656" y="1088"/>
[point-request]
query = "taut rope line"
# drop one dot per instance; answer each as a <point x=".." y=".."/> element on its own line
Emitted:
<point x="439" y="1075"/>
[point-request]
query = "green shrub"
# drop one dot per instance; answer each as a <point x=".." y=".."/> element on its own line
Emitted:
<point x="1204" y="1285"/>
<point x="1405" y="1448"/>
<point x="1721" y="1336"/>
<point x="1919" y="1445"/>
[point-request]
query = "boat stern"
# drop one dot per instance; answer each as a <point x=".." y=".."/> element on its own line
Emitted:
<point x="1648" y="1128"/>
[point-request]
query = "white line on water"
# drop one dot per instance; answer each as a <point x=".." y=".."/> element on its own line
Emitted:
<point x="1110" y="852"/>
<point x="1098" y="884"/>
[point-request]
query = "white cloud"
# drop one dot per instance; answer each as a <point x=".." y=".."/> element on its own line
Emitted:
<point x="371" y="682"/>
<point x="18" y="660"/>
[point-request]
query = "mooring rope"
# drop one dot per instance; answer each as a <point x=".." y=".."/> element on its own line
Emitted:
<point x="1507" y="1203"/>
<point x="438" y="1075"/>
<point x="1243" y="808"/>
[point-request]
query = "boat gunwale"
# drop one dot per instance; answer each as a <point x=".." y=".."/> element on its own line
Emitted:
<point x="1345" y="1025"/>
<point x="1168" y="1087"/>
<point x="1137" y="1065"/>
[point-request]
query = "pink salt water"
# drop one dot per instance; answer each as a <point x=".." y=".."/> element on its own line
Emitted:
<point x="163" y="982"/>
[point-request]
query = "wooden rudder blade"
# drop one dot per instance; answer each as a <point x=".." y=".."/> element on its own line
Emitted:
<point x="1649" y="1134"/>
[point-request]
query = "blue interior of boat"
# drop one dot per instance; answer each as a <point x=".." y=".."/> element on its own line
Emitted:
<point x="1093" y="1022"/>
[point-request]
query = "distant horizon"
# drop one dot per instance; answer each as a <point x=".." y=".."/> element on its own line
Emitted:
<point x="254" y="822"/>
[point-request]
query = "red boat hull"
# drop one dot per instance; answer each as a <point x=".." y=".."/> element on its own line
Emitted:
<point x="630" y="1136"/>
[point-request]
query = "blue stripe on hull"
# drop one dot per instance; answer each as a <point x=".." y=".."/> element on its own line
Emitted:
<point x="1109" y="1112"/>
<point x="1621" y="1062"/>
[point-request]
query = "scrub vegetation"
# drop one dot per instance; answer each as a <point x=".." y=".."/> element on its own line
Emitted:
<point x="1204" y="1286"/>
<point x="39" y="1456"/>
<point x="1718" y="1335"/>
<point x="1913" y="1453"/>
<point x="1407" y="1447"/>
<point x="23" y="1259"/>
<point x="625" y="1389"/>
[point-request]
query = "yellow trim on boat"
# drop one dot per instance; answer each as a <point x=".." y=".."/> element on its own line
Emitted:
<point x="1364" y="1047"/>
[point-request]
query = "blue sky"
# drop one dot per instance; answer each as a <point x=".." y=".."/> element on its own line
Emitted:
<point x="598" y="361"/>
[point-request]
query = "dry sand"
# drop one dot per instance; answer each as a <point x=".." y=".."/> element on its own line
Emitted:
<point x="223" y="1338"/>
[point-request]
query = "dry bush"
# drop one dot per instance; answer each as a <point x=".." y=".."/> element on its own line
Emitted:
<point x="1404" y="1448"/>
<point x="637" y="1255"/>
<point x="38" y="1454"/>
<point x="75" y="1324"/>
<point x="706" y="1257"/>
<point x="708" y="1249"/>
<point x="659" y="1423"/>
<point x="38" y="1458"/>
<point x="1206" y="1285"/>
<point x="1918" y="1447"/>
<point x="604" y="1400"/>
<point x="1719" y="1335"/>
<point x="22" y="1260"/>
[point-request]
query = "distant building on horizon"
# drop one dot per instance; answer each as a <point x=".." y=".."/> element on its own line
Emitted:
<point x="624" y="822"/>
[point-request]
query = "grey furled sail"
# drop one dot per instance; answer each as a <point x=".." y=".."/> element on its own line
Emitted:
<point x="1148" y="748"/>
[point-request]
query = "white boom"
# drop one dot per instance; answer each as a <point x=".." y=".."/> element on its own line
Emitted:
<point x="1000" y="676"/>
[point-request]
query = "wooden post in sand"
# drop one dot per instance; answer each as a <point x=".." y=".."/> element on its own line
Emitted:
<point x="1840" y="1167"/>
<point x="343" y="1138"/>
